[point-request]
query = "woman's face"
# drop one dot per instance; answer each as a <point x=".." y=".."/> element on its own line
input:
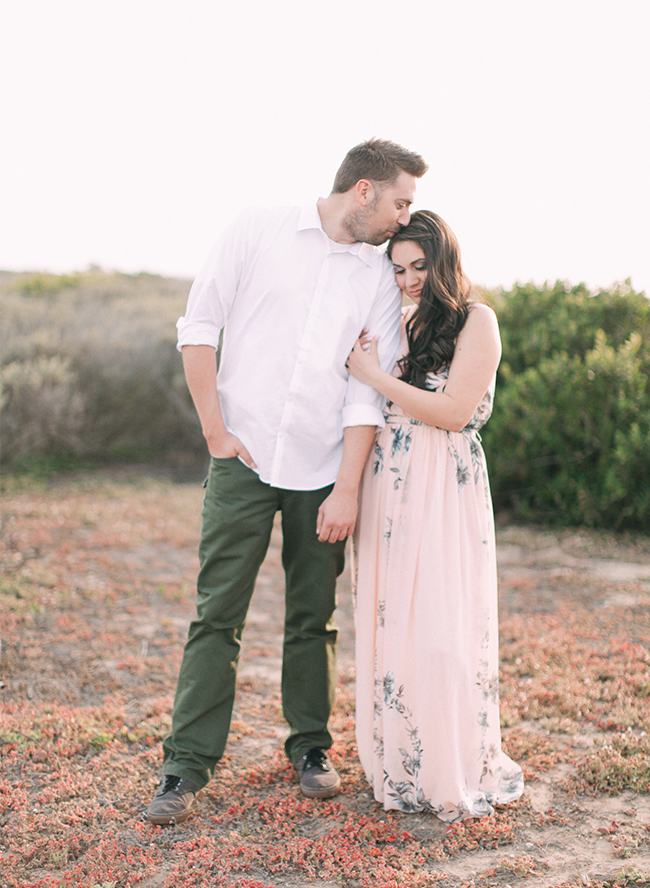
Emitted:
<point x="410" y="268"/>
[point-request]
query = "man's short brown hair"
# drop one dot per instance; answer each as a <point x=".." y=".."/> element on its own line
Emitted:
<point x="379" y="161"/>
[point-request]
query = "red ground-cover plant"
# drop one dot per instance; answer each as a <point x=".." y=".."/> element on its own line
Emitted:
<point x="94" y="604"/>
<point x="560" y="671"/>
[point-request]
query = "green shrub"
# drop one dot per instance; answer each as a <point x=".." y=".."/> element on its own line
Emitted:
<point x="538" y="322"/>
<point x="569" y="440"/>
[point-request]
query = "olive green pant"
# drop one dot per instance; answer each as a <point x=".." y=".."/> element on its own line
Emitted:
<point x="238" y="514"/>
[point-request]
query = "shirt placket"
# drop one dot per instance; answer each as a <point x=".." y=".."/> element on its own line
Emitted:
<point x="307" y="344"/>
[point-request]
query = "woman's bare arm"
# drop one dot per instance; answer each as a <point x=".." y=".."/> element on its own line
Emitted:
<point x="476" y="358"/>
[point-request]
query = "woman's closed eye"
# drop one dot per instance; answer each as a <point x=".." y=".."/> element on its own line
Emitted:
<point x="421" y="267"/>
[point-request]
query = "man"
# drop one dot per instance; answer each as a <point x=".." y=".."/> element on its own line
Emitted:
<point x="292" y="290"/>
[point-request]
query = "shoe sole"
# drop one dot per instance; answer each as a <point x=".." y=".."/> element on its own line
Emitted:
<point x="167" y="819"/>
<point x="171" y="819"/>
<point x="321" y="793"/>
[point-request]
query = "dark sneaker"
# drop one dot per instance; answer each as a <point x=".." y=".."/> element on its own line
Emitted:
<point x="172" y="803"/>
<point x="318" y="778"/>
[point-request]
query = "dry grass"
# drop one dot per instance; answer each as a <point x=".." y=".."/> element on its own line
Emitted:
<point x="90" y="367"/>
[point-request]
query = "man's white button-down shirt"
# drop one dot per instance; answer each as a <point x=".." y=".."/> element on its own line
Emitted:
<point x="292" y="304"/>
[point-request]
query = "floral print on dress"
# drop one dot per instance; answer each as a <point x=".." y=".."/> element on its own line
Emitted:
<point x="406" y="793"/>
<point x="378" y="461"/>
<point x="400" y="443"/>
<point x="401" y="439"/>
<point x="401" y="435"/>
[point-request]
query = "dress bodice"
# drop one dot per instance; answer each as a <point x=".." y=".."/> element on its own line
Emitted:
<point x="436" y="382"/>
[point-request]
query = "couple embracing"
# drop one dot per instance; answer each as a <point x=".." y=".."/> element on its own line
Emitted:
<point x="316" y="358"/>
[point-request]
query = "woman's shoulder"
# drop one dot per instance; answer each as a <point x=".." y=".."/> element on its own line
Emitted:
<point x="480" y="333"/>
<point x="481" y="318"/>
<point x="483" y="311"/>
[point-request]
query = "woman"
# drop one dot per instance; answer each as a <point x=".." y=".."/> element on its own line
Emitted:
<point x="426" y="610"/>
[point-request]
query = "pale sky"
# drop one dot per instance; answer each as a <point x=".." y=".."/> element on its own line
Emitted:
<point x="134" y="130"/>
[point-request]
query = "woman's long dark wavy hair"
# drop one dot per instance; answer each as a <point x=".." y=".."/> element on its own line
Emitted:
<point x="445" y="301"/>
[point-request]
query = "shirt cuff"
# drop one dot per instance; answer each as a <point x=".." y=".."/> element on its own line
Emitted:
<point x="193" y="333"/>
<point x="362" y="415"/>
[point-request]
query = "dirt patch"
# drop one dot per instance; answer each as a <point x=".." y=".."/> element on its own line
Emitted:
<point x="96" y="598"/>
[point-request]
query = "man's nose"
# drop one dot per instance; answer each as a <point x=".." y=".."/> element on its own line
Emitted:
<point x="404" y="216"/>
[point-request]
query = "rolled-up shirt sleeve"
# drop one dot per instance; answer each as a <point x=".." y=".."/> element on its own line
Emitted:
<point x="363" y="404"/>
<point x="215" y="287"/>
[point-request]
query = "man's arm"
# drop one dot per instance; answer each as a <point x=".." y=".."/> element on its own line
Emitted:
<point x="363" y="404"/>
<point x="200" y="365"/>
<point x="362" y="413"/>
<point x="338" y="513"/>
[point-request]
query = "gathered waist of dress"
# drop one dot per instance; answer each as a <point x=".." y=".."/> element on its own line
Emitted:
<point x="396" y="417"/>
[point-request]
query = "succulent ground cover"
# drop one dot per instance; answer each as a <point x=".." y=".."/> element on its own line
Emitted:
<point x="96" y="595"/>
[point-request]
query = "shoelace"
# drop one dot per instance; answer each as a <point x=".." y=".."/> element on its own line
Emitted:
<point x="316" y="758"/>
<point x="170" y="784"/>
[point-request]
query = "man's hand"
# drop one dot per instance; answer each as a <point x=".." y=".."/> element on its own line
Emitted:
<point x="338" y="513"/>
<point x="226" y="446"/>
<point x="200" y="365"/>
<point x="336" y="517"/>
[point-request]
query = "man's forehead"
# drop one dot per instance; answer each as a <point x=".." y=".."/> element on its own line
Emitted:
<point x="403" y="188"/>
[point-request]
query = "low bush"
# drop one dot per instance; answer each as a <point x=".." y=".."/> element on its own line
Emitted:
<point x="569" y="440"/>
<point x="90" y="368"/>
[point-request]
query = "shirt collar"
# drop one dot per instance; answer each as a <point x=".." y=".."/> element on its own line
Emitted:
<point x="310" y="218"/>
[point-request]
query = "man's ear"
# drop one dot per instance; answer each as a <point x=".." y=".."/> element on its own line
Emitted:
<point x="364" y="192"/>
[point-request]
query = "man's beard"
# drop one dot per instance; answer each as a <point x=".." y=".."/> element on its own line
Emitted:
<point x="359" y="226"/>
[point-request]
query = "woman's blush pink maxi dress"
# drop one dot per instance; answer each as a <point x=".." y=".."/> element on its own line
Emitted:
<point x="427" y="687"/>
